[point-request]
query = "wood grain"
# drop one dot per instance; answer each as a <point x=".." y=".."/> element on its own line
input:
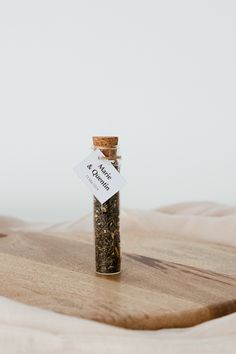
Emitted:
<point x="164" y="282"/>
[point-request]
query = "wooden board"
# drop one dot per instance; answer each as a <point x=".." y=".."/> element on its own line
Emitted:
<point x="164" y="282"/>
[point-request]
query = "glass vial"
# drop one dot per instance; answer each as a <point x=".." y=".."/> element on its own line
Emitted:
<point x="107" y="216"/>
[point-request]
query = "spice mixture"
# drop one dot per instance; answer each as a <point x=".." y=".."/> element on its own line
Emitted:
<point x="107" y="233"/>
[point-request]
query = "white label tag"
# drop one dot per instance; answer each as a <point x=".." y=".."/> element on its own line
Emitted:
<point x="100" y="176"/>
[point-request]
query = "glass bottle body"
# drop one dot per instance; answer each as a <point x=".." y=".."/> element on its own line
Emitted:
<point x="107" y="233"/>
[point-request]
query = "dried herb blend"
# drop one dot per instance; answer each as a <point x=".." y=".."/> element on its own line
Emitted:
<point x="107" y="217"/>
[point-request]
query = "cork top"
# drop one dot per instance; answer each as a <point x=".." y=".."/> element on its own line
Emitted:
<point x="107" y="142"/>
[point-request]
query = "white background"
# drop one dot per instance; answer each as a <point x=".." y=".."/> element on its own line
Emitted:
<point x="159" y="74"/>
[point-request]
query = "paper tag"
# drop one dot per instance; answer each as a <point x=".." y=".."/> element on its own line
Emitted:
<point x="100" y="176"/>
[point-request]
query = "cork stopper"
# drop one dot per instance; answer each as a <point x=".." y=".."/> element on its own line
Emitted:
<point x="107" y="142"/>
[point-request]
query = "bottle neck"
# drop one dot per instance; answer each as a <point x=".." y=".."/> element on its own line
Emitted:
<point x="111" y="153"/>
